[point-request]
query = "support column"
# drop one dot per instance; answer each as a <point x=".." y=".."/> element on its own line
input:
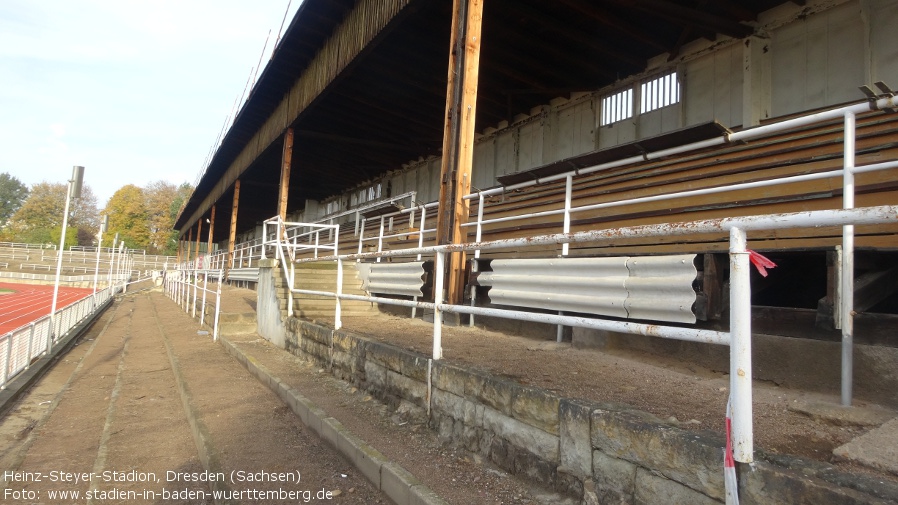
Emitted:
<point x="211" y="228"/>
<point x="458" y="136"/>
<point x="232" y="236"/>
<point x="199" y="233"/>
<point x="286" y="159"/>
<point x="189" y="244"/>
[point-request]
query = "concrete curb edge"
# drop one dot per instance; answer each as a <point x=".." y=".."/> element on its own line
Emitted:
<point x="397" y="483"/>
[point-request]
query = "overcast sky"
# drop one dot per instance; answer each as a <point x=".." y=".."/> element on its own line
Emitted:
<point x="134" y="90"/>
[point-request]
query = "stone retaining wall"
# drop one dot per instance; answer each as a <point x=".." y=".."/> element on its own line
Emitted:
<point x="601" y="452"/>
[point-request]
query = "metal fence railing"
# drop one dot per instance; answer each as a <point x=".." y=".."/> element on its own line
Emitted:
<point x="190" y="287"/>
<point x="20" y="347"/>
<point x="739" y="335"/>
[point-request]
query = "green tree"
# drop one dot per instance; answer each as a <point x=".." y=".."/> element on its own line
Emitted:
<point x="39" y="219"/>
<point x="129" y="217"/>
<point x="163" y="201"/>
<point x="12" y="195"/>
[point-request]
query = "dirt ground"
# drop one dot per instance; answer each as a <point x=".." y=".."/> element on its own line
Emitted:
<point x="111" y="418"/>
<point x="120" y="407"/>
<point x="674" y="390"/>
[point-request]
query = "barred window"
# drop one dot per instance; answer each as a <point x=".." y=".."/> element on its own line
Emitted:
<point x="659" y="92"/>
<point x="617" y="107"/>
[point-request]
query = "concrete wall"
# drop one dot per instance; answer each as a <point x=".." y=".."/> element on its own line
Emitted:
<point x="268" y="313"/>
<point x="599" y="452"/>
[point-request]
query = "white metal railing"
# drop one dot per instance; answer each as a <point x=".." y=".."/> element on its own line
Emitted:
<point x="738" y="338"/>
<point x="288" y="238"/>
<point x="740" y="327"/>
<point x="19" y="347"/>
<point x="23" y="245"/>
<point x="183" y="287"/>
<point x="845" y="290"/>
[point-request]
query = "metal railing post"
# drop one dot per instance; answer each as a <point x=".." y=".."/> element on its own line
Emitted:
<point x="203" y="306"/>
<point x="264" y="238"/>
<point x="380" y="238"/>
<point x="568" y="189"/>
<point x="338" y="308"/>
<point x="439" y="270"/>
<point x="217" y="307"/>
<point x="740" y="347"/>
<point x="846" y="300"/>
<point x="196" y="282"/>
<point x="7" y="360"/>
<point x="30" y="346"/>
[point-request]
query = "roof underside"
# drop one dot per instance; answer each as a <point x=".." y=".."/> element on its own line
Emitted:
<point x="387" y="108"/>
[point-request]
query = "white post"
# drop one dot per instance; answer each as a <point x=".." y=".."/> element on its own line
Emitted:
<point x="103" y="225"/>
<point x="111" y="262"/>
<point x="846" y="300"/>
<point x="65" y="222"/>
<point x="338" y="308"/>
<point x="740" y="347"/>
<point x="203" y="306"/>
<point x="380" y="238"/>
<point x="196" y="283"/>
<point x="30" y="347"/>
<point x="439" y="270"/>
<point x="264" y="238"/>
<point x="73" y="191"/>
<point x="217" y="307"/>
<point x="568" y="188"/>
<point x="6" y="362"/>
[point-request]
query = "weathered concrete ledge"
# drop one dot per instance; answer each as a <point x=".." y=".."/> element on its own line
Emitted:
<point x="599" y="452"/>
<point x="396" y="482"/>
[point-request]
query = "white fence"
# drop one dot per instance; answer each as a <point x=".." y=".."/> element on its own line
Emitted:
<point x="20" y="347"/>
<point x="739" y="335"/>
<point x="190" y="287"/>
<point x="284" y="240"/>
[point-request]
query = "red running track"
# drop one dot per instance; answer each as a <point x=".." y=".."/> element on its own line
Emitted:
<point x="29" y="302"/>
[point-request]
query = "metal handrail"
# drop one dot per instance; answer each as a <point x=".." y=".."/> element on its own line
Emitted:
<point x="183" y="287"/>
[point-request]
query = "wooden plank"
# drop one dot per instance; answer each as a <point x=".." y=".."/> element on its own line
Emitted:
<point x="459" y="135"/>
<point x="211" y="229"/>
<point x="286" y="160"/>
<point x="232" y="235"/>
<point x="199" y="233"/>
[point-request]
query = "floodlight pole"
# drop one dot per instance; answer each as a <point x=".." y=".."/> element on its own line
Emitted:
<point x="73" y="191"/>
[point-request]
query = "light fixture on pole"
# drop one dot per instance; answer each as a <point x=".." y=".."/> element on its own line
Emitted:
<point x="74" y="191"/>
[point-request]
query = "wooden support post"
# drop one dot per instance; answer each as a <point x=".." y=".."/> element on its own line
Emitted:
<point x="211" y="228"/>
<point x="232" y="237"/>
<point x="199" y="233"/>
<point x="180" y="244"/>
<point x="286" y="159"/>
<point x="458" y="137"/>
<point x="189" y="244"/>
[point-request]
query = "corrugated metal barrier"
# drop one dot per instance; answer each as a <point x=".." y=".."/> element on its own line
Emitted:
<point x="393" y="278"/>
<point x="655" y="288"/>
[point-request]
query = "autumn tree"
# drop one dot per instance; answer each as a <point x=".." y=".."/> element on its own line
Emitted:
<point x="163" y="201"/>
<point x="12" y="195"/>
<point x="39" y="219"/>
<point x="129" y="217"/>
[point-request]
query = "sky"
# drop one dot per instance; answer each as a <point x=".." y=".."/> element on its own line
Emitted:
<point x="135" y="91"/>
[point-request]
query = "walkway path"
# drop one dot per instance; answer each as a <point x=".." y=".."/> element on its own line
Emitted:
<point x="146" y="410"/>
